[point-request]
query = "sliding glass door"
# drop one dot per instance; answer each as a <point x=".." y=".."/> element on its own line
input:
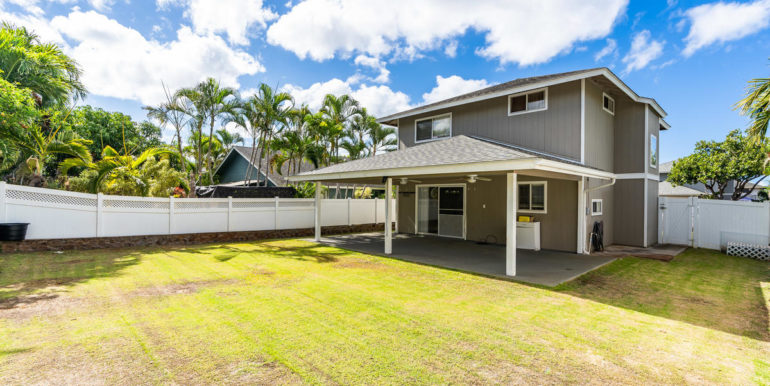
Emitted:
<point x="441" y="210"/>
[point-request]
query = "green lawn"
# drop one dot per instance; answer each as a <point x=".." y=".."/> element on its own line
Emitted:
<point x="294" y="312"/>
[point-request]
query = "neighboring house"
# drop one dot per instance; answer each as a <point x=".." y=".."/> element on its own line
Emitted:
<point x="666" y="189"/>
<point x="569" y="149"/>
<point x="232" y="170"/>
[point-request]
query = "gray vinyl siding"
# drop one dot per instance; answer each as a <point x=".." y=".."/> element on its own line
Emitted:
<point x="628" y="216"/>
<point x="652" y="212"/>
<point x="607" y="195"/>
<point x="653" y="127"/>
<point x="555" y="130"/>
<point x="629" y="136"/>
<point x="486" y="211"/>
<point x="600" y="130"/>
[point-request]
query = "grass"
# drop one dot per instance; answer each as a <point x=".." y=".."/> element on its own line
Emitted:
<point x="295" y="312"/>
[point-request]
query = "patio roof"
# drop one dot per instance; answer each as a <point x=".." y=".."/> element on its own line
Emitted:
<point x="460" y="154"/>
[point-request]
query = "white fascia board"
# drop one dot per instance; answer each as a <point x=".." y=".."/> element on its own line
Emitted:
<point x="601" y="71"/>
<point x="478" y="167"/>
<point x="637" y="176"/>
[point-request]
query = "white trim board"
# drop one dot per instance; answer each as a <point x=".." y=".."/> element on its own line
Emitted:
<point x="637" y="176"/>
<point x="490" y="166"/>
<point x="599" y="71"/>
<point x="582" y="121"/>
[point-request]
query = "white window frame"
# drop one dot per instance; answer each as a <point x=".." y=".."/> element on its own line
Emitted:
<point x="417" y="209"/>
<point x="655" y="151"/>
<point x="545" y="197"/>
<point x="545" y="94"/>
<point x="601" y="207"/>
<point x="614" y="106"/>
<point x="431" y="129"/>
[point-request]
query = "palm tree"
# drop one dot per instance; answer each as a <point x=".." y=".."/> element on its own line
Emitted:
<point x="275" y="110"/>
<point x="381" y="138"/>
<point x="249" y="116"/>
<point x="191" y="103"/>
<point x="339" y="110"/>
<point x="53" y="77"/>
<point x="171" y="113"/>
<point x="228" y="140"/>
<point x="756" y="105"/>
<point x="213" y="102"/>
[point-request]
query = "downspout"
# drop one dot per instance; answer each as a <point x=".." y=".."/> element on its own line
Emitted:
<point x="587" y="247"/>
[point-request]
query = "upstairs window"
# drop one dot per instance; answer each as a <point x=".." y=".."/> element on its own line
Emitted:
<point x="608" y="104"/>
<point x="428" y="129"/>
<point x="528" y="102"/>
<point x="532" y="196"/>
<point x="653" y="151"/>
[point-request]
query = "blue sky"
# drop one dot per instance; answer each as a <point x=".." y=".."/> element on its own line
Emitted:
<point x="694" y="58"/>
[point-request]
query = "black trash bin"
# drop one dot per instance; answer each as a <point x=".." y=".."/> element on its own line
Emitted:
<point x="16" y="231"/>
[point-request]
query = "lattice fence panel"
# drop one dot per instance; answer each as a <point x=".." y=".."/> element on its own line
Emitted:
<point x="47" y="198"/>
<point x="757" y="252"/>
<point x="194" y="205"/>
<point x="135" y="204"/>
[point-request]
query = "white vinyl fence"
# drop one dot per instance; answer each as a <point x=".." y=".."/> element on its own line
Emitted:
<point x="57" y="214"/>
<point x="712" y="224"/>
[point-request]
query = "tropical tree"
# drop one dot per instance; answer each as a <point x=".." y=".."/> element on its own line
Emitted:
<point x="125" y="174"/>
<point x="43" y="68"/>
<point x="218" y="102"/>
<point x="381" y="138"/>
<point x="756" y="105"/>
<point x="339" y="110"/>
<point x="274" y="110"/>
<point x="228" y="140"/>
<point x="18" y="113"/>
<point x="714" y="164"/>
<point x="171" y="112"/>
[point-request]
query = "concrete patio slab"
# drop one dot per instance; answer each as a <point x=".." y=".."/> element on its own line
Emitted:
<point x="548" y="268"/>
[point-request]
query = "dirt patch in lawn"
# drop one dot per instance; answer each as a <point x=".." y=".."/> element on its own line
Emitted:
<point x="359" y="263"/>
<point x="181" y="288"/>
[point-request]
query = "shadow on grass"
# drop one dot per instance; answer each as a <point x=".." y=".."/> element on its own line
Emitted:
<point x="309" y="253"/>
<point x="700" y="287"/>
<point x="27" y="278"/>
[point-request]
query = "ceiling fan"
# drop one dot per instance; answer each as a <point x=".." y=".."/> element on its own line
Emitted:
<point x="472" y="178"/>
<point x="405" y="180"/>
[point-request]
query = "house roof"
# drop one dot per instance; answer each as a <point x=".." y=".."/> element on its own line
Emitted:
<point x="665" y="188"/>
<point x="279" y="179"/>
<point x="452" y="155"/>
<point x="666" y="167"/>
<point x="523" y="84"/>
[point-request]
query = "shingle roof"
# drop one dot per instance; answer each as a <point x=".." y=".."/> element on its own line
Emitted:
<point x="666" y="167"/>
<point x="455" y="150"/>
<point x="278" y="178"/>
<point x="492" y="89"/>
<point x="665" y="188"/>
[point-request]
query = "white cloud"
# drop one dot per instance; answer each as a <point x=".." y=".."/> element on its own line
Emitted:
<point x="101" y="5"/>
<point x="375" y="64"/>
<point x="452" y="86"/>
<point x="235" y="18"/>
<point x="610" y="48"/>
<point x="643" y="51"/>
<point x="722" y="22"/>
<point x="121" y="63"/>
<point x="515" y="31"/>
<point x="450" y="49"/>
<point x="378" y="100"/>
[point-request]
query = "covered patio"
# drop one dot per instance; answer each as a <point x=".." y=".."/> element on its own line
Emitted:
<point x="544" y="267"/>
<point x="468" y="189"/>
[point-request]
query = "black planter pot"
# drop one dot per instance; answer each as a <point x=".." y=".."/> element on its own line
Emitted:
<point x="13" y="231"/>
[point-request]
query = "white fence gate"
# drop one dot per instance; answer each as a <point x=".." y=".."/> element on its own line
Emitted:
<point x="712" y="224"/>
<point x="58" y="214"/>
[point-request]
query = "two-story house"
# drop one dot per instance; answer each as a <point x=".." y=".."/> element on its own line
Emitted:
<point x="567" y="149"/>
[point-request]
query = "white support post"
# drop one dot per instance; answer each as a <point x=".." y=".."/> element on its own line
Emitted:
<point x="171" y="215"/>
<point x="3" y="210"/>
<point x="581" y="219"/>
<point x="229" y="212"/>
<point x="396" y="214"/>
<point x="375" y="210"/>
<point x="511" y="189"/>
<point x="276" y="211"/>
<point x="388" y="216"/>
<point x="99" y="214"/>
<point x="317" y="211"/>
<point x="350" y="218"/>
